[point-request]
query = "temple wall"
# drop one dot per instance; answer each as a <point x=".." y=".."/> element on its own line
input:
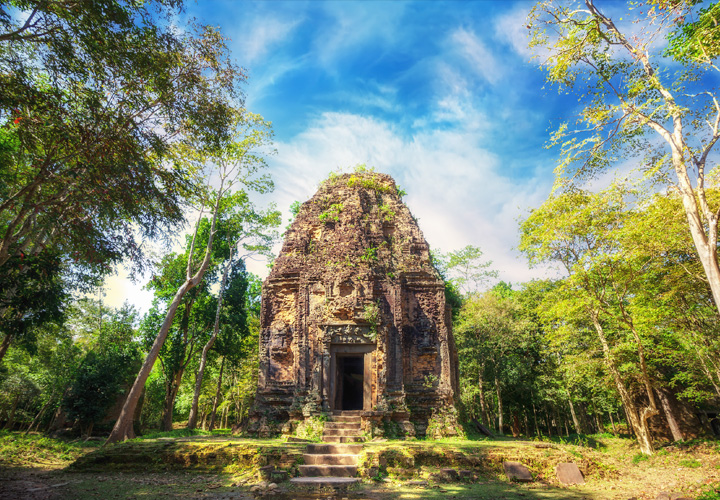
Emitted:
<point x="354" y="281"/>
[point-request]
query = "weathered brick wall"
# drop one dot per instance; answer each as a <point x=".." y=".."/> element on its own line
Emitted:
<point x="354" y="275"/>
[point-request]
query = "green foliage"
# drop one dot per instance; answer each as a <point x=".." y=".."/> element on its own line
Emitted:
<point x="464" y="269"/>
<point x="28" y="450"/>
<point x="332" y="214"/>
<point x="311" y="428"/>
<point x="84" y="165"/>
<point x="371" y="314"/>
<point x="370" y="255"/>
<point x="691" y="463"/>
<point x="32" y="293"/>
<point x="640" y="457"/>
<point x="696" y="36"/>
<point x="105" y="372"/>
<point x="713" y="493"/>
<point x="368" y="182"/>
<point x="386" y="213"/>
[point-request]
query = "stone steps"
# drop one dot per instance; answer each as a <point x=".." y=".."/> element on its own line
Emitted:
<point x="342" y="439"/>
<point x="324" y="482"/>
<point x="345" y="418"/>
<point x="333" y="462"/>
<point x="328" y="470"/>
<point x="342" y="425"/>
<point x="341" y="432"/>
<point x="328" y="449"/>
<point x="330" y="459"/>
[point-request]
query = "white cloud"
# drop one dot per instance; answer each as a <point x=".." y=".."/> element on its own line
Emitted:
<point x="511" y="28"/>
<point x="355" y="26"/>
<point x="263" y="36"/>
<point x="476" y="54"/>
<point x="455" y="187"/>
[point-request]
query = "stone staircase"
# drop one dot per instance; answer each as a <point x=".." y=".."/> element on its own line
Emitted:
<point x="334" y="461"/>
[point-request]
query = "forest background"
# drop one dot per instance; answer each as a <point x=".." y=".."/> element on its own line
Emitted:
<point x="119" y="129"/>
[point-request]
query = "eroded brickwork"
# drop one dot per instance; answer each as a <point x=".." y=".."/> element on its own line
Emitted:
<point x="354" y="279"/>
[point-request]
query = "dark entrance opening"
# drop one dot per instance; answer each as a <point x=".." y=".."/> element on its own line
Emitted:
<point x="350" y="370"/>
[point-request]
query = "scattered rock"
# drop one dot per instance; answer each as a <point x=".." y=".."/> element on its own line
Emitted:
<point x="450" y="474"/>
<point x="279" y="476"/>
<point x="297" y="440"/>
<point x="266" y="471"/>
<point x="515" y="471"/>
<point x="417" y="483"/>
<point x="568" y="473"/>
<point x="272" y="486"/>
<point x="466" y="475"/>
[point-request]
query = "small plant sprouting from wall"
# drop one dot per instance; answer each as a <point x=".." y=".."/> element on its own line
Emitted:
<point x="371" y="314"/>
<point x="332" y="214"/>
<point x="386" y="213"/>
<point x="369" y="255"/>
<point x="430" y="381"/>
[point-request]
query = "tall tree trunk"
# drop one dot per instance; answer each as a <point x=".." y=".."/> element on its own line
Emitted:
<point x="4" y="346"/>
<point x="483" y="405"/>
<point x="576" y="422"/>
<point x="217" y="396"/>
<point x="670" y="416"/>
<point x="192" y="420"/>
<point x="637" y="421"/>
<point x="499" y="406"/>
<point x="36" y="420"/>
<point x="547" y="422"/>
<point x="612" y="422"/>
<point x="11" y="418"/>
<point x="123" y="428"/>
<point x="707" y="372"/>
<point x="171" y="392"/>
<point x="598" y="417"/>
<point x="537" y="428"/>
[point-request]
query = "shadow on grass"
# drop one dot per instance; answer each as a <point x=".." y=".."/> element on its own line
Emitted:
<point x="494" y="490"/>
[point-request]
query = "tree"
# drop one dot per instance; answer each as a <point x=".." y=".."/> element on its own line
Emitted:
<point x="498" y="351"/>
<point x="104" y="372"/>
<point x="32" y="293"/>
<point x="465" y="269"/>
<point x="93" y="95"/>
<point x="618" y="285"/>
<point x="634" y="101"/>
<point x="238" y="164"/>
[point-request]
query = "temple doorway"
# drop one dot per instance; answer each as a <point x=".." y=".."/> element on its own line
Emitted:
<point x="350" y="386"/>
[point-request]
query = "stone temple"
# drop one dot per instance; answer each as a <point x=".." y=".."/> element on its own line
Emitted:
<point x="354" y="318"/>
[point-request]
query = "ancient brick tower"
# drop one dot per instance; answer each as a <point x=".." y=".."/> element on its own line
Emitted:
<point x="354" y="317"/>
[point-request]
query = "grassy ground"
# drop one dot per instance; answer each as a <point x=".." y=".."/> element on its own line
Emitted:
<point x="218" y="466"/>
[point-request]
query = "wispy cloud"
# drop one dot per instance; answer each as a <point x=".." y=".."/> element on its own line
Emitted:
<point x="355" y="26"/>
<point x="476" y="54"/>
<point x="455" y="186"/>
<point x="258" y="38"/>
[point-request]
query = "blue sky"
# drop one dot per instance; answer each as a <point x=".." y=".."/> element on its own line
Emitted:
<point x="443" y="96"/>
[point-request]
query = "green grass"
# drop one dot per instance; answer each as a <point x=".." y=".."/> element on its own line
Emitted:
<point x="180" y="433"/>
<point x="20" y="449"/>
<point x="690" y="463"/>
